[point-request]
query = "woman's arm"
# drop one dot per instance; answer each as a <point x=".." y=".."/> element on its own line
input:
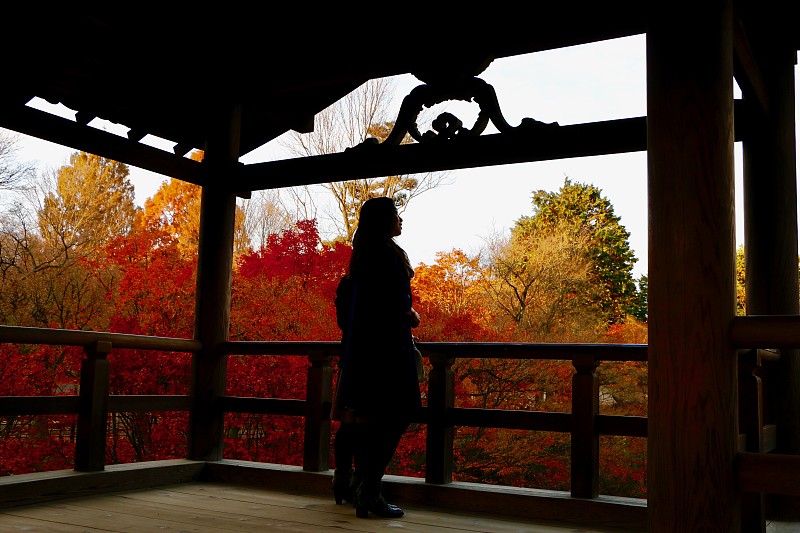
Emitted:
<point x="413" y="317"/>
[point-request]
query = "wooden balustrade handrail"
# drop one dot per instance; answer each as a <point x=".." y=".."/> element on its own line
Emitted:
<point x="279" y="347"/>
<point x="766" y="331"/>
<point x="489" y="350"/>
<point x="536" y="350"/>
<point x="74" y="337"/>
<point x="769" y="473"/>
<point x="763" y="355"/>
<point x="65" y="405"/>
<point x="483" y="350"/>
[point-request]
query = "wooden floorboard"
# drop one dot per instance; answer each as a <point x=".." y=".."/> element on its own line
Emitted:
<point x="204" y="507"/>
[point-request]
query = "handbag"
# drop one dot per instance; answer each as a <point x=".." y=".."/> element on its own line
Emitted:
<point x="337" y="412"/>
<point x="419" y="363"/>
<point x="340" y="413"/>
<point x="345" y="308"/>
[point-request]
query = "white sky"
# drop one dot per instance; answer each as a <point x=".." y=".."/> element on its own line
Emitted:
<point x="589" y="83"/>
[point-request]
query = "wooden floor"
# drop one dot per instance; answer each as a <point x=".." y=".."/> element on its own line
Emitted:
<point x="218" y="507"/>
<point x="203" y="507"/>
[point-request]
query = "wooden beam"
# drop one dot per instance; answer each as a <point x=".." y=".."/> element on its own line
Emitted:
<point x="522" y="146"/>
<point x="580" y="140"/>
<point x="747" y="71"/>
<point x="58" y="130"/>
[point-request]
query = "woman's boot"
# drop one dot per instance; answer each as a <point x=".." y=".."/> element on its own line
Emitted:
<point x="343" y="488"/>
<point x="370" y="500"/>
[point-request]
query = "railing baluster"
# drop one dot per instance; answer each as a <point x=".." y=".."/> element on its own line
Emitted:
<point x="317" y="439"/>
<point x="751" y="424"/>
<point x="439" y="440"/>
<point x="585" y="447"/>
<point x="90" y="443"/>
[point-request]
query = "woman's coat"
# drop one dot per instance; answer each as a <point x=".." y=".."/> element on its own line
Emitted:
<point x="379" y="376"/>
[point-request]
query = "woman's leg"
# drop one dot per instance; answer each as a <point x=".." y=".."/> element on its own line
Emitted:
<point x="344" y="485"/>
<point x="343" y="447"/>
<point x="380" y="443"/>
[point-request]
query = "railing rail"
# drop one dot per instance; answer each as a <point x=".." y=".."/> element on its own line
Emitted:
<point x="440" y="415"/>
<point x="71" y="337"/>
<point x="584" y="423"/>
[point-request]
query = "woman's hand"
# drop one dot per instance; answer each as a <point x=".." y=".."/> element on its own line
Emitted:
<point x="414" y="317"/>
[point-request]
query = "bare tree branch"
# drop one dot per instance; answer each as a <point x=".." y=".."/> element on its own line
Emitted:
<point x="362" y="114"/>
<point x="12" y="172"/>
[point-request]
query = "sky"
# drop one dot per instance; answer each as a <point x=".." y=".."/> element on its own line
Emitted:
<point x="580" y="84"/>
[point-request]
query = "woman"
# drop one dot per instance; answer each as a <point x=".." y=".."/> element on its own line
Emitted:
<point x="379" y="385"/>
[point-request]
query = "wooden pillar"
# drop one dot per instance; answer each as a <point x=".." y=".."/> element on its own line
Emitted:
<point x="585" y="446"/>
<point x="692" y="415"/>
<point x="440" y="431"/>
<point x="319" y="392"/>
<point x="90" y="444"/>
<point x="771" y="255"/>
<point x="213" y="298"/>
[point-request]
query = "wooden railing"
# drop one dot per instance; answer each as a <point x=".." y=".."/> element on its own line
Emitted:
<point x="93" y="403"/>
<point x="584" y="423"/>
<point x="758" y="470"/>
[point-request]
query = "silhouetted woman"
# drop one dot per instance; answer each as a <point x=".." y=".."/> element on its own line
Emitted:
<point x="379" y="387"/>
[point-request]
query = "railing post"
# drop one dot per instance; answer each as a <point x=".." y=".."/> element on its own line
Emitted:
<point x="751" y="421"/>
<point x="751" y="424"/>
<point x="585" y="447"/>
<point x="439" y="441"/>
<point x="90" y="443"/>
<point x="317" y="438"/>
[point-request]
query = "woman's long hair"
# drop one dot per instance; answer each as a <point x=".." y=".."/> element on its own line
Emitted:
<point x="375" y="221"/>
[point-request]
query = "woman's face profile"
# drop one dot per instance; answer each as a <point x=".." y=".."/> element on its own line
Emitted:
<point x="397" y="225"/>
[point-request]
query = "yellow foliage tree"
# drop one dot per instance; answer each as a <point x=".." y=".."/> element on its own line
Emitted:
<point x="541" y="283"/>
<point x="175" y="208"/>
<point x="741" y="309"/>
<point x="89" y="201"/>
<point x="447" y="294"/>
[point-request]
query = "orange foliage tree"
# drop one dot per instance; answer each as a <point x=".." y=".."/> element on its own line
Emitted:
<point x="451" y="299"/>
<point x="175" y="209"/>
<point x="152" y="294"/>
<point x="281" y="292"/>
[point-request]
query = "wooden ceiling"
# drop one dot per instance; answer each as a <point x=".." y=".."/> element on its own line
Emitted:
<point x="167" y="73"/>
